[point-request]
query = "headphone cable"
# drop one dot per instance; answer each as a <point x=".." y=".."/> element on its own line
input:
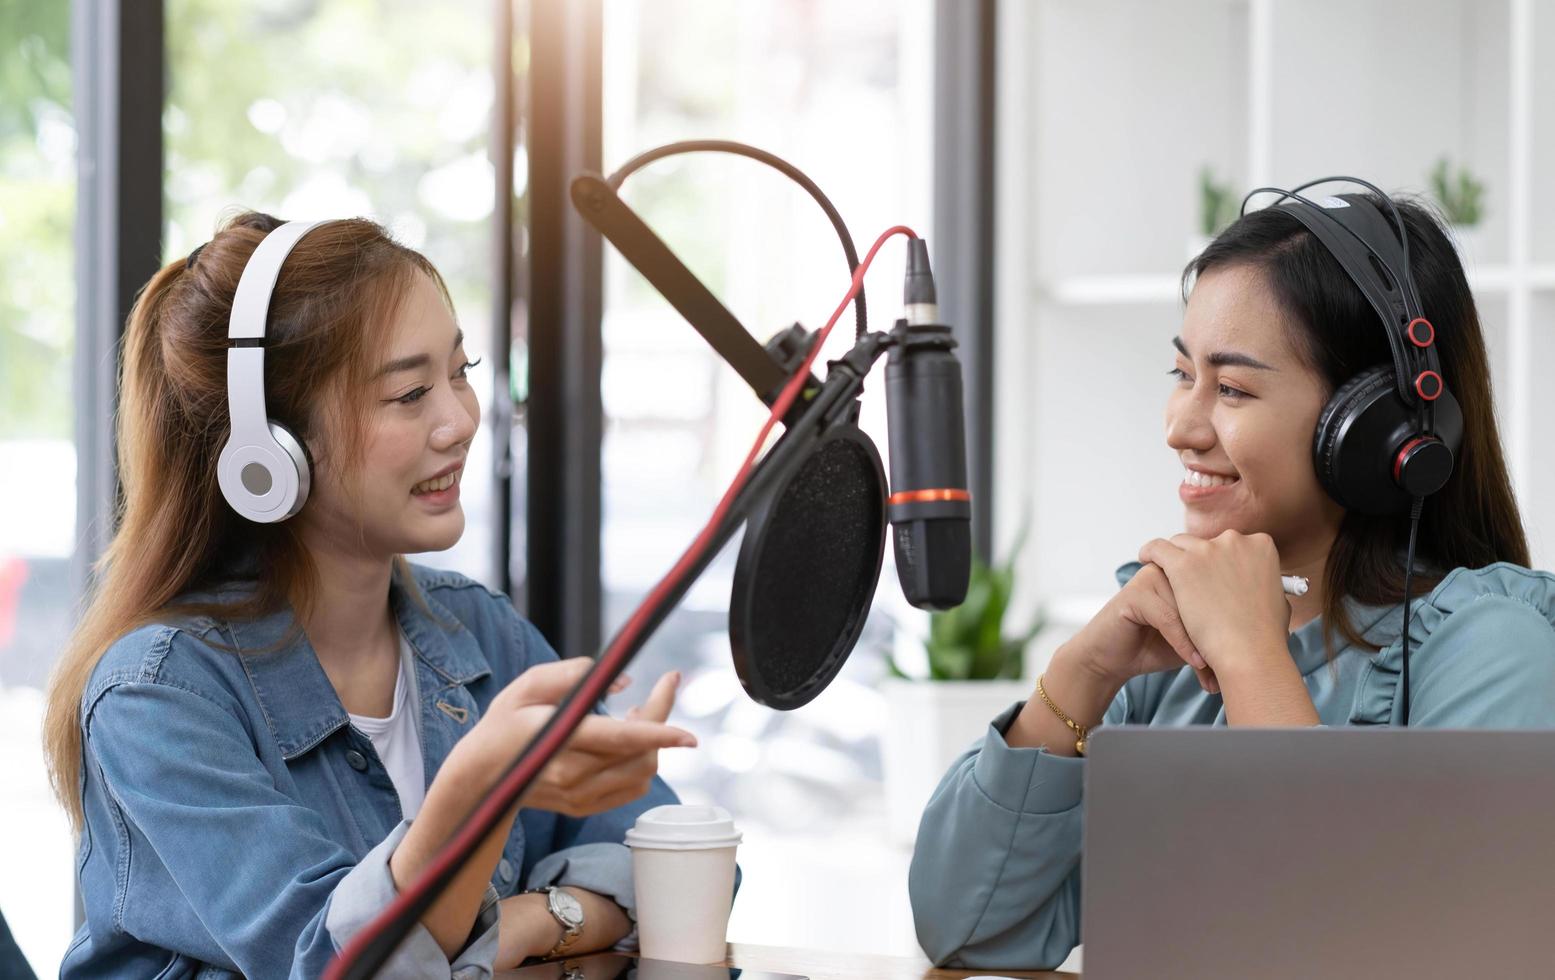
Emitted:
<point x="1409" y="567"/>
<point x="861" y="316"/>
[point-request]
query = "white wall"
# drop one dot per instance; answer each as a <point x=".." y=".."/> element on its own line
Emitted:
<point x="1108" y="109"/>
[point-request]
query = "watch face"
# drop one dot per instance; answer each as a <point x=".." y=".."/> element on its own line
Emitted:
<point x="566" y="908"/>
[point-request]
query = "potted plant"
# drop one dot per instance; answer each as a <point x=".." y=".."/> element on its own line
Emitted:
<point x="1462" y="198"/>
<point x="975" y="669"/>
<point x="1218" y="207"/>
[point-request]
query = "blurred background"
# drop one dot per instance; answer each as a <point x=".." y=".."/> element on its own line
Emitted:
<point x="1063" y="158"/>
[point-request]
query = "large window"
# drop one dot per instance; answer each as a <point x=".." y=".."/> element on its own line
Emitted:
<point x="353" y="107"/>
<point x="845" y="92"/>
<point x="37" y="452"/>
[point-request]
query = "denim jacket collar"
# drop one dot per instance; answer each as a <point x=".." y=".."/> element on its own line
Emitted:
<point x="299" y="702"/>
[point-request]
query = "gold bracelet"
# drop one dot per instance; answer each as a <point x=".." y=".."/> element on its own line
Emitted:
<point x="1081" y="730"/>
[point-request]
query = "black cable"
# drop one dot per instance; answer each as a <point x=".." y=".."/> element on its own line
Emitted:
<point x="861" y="317"/>
<point x="1398" y="219"/>
<point x="1409" y="568"/>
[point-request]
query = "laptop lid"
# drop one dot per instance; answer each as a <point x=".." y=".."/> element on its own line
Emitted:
<point x="1328" y="853"/>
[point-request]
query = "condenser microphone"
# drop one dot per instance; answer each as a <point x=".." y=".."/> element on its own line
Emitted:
<point x="930" y="509"/>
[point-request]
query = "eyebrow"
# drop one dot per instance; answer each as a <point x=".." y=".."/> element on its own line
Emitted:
<point x="415" y="361"/>
<point x="1225" y="358"/>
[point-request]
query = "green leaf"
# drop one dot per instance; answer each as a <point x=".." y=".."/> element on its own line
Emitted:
<point x="968" y="642"/>
<point x="950" y="662"/>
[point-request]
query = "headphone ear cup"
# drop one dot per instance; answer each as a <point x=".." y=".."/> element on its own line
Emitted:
<point x="1335" y="419"/>
<point x="1358" y="436"/>
<point x="265" y="479"/>
<point x="297" y="451"/>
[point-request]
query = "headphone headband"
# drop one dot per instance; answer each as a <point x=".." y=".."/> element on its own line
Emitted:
<point x="250" y="311"/>
<point x="1362" y="240"/>
<point x="263" y="469"/>
<point x="251" y="303"/>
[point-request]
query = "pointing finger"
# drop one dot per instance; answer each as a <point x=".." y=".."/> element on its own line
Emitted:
<point x="662" y="698"/>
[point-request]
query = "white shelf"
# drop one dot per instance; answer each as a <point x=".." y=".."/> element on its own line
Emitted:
<point x="1101" y="180"/>
<point x="1119" y="289"/>
<point x="1490" y="279"/>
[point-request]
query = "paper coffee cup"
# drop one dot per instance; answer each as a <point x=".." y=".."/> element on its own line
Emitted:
<point x="683" y="869"/>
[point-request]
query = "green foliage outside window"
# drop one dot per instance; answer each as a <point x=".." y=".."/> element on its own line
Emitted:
<point x="969" y="642"/>
<point x="373" y="107"/>
<point x="37" y="212"/>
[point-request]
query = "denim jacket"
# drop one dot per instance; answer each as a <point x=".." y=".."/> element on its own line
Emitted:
<point x="236" y="823"/>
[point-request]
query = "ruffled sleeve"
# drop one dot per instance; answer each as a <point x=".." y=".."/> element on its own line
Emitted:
<point x="1481" y="655"/>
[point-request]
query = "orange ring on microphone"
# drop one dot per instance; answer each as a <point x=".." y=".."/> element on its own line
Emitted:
<point x="1421" y="390"/>
<point x="1430" y="337"/>
<point x="927" y="496"/>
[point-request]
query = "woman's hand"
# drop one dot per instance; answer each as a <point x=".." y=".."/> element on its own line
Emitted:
<point x="527" y="927"/>
<point x="1228" y="593"/>
<point x="606" y="763"/>
<point x="1232" y="605"/>
<point x="1138" y="631"/>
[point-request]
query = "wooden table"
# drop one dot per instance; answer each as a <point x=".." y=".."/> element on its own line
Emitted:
<point x="809" y="963"/>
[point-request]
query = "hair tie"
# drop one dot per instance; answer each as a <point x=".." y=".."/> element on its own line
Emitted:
<point x="189" y="262"/>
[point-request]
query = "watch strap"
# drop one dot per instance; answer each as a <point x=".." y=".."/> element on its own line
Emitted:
<point x="570" y="932"/>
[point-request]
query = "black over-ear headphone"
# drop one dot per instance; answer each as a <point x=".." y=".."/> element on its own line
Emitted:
<point x="1388" y="437"/>
<point x="1390" y="434"/>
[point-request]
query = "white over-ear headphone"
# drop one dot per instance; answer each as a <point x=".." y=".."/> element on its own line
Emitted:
<point x="263" y="468"/>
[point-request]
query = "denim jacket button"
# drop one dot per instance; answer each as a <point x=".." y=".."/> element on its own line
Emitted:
<point x="356" y="760"/>
<point x="505" y="869"/>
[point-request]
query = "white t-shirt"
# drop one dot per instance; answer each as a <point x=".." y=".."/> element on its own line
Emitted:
<point x="397" y="740"/>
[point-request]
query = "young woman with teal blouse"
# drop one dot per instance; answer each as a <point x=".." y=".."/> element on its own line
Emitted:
<point x="1201" y="632"/>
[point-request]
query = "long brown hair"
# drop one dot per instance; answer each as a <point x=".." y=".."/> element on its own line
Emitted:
<point x="1472" y="521"/>
<point x="327" y="332"/>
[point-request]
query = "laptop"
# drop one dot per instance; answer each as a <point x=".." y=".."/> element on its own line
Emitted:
<point x="1328" y="853"/>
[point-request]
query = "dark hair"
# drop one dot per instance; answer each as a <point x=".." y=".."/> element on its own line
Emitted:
<point x="1473" y="521"/>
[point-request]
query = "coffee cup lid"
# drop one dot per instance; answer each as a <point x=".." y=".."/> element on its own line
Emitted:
<point x="679" y="827"/>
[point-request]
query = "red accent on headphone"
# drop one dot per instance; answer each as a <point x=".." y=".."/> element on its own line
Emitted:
<point x="1430" y="336"/>
<point x="1398" y="462"/>
<point x="1419" y="382"/>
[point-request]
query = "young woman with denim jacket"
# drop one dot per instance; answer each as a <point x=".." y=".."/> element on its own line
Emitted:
<point x="213" y="728"/>
<point x="1201" y="633"/>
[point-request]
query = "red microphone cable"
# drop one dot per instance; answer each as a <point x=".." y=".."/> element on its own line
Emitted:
<point x="371" y="947"/>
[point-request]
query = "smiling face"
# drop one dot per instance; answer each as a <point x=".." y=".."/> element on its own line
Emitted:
<point x="1242" y="414"/>
<point x="403" y="498"/>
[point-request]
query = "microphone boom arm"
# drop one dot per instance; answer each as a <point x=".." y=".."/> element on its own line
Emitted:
<point x="602" y="207"/>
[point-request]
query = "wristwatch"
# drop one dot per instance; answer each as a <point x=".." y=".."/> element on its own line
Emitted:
<point x="568" y="911"/>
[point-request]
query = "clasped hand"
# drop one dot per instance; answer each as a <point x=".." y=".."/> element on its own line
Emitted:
<point x="1209" y="603"/>
<point x="1227" y="592"/>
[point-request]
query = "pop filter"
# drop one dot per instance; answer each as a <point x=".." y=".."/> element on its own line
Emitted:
<point x="807" y="571"/>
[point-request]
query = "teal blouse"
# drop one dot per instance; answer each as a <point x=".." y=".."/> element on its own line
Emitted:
<point x="995" y="878"/>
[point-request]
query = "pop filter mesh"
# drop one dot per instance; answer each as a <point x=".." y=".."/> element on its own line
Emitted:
<point x="808" y="571"/>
